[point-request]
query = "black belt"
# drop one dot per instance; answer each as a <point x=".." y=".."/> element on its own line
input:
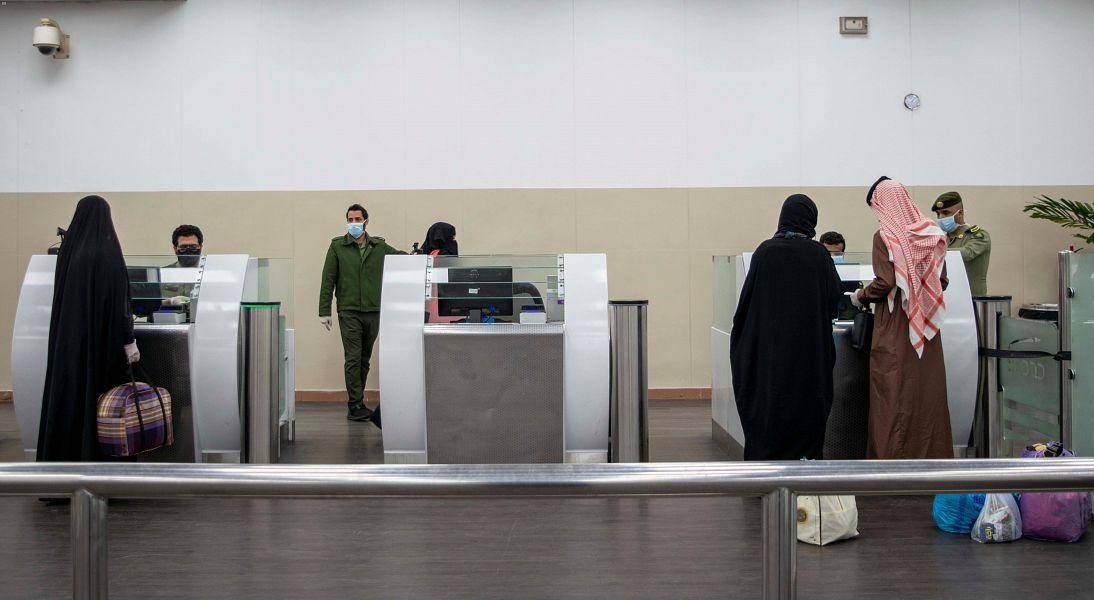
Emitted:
<point x="997" y="353"/>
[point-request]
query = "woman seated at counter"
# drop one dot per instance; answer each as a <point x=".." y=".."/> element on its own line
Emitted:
<point x="440" y="240"/>
<point x="781" y="347"/>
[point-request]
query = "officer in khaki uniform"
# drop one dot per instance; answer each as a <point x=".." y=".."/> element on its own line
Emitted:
<point x="973" y="242"/>
<point x="352" y="273"/>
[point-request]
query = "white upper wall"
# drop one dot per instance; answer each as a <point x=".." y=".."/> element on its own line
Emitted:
<point x="340" y="94"/>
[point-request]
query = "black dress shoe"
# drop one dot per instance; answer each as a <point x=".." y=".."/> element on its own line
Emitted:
<point x="375" y="417"/>
<point x="359" y="412"/>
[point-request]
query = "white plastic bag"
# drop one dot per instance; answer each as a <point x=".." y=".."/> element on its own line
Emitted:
<point x="826" y="519"/>
<point x="999" y="520"/>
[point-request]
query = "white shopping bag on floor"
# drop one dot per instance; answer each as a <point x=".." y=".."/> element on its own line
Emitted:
<point x="826" y="519"/>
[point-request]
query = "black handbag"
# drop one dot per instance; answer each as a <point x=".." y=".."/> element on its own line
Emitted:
<point x="862" y="332"/>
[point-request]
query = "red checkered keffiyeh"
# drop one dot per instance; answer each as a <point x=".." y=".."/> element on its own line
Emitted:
<point x="917" y="248"/>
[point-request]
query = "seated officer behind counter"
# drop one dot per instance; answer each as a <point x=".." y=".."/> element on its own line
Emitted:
<point x="187" y="241"/>
<point x="833" y="242"/>
<point x="973" y="242"/>
<point x="836" y="245"/>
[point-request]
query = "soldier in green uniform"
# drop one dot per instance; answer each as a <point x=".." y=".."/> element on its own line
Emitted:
<point x="973" y="242"/>
<point x="352" y="273"/>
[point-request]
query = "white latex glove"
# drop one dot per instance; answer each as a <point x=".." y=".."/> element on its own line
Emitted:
<point x="856" y="300"/>
<point x="326" y="322"/>
<point x="176" y="301"/>
<point x="131" y="353"/>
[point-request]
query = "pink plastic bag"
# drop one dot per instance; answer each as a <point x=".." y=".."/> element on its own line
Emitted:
<point x="1053" y="516"/>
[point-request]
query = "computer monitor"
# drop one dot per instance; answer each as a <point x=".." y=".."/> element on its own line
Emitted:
<point x="485" y="289"/>
<point x="144" y="290"/>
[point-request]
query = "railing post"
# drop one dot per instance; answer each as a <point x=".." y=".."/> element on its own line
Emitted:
<point x="780" y="532"/>
<point x="88" y="546"/>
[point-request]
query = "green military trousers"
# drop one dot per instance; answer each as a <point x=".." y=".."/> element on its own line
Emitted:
<point x="359" y="330"/>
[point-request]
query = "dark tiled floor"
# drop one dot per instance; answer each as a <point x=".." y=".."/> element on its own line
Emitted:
<point x="509" y="548"/>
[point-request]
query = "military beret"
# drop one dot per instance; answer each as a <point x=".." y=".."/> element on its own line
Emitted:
<point x="946" y="200"/>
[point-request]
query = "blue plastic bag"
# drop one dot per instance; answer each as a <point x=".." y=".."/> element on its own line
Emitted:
<point x="957" y="513"/>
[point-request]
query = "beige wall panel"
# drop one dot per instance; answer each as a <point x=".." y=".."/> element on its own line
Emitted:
<point x="844" y="209"/>
<point x="39" y="217"/>
<point x="702" y="310"/>
<point x="645" y="220"/>
<point x="9" y="223"/>
<point x="518" y="222"/>
<point x="663" y="278"/>
<point x="255" y="223"/>
<point x="733" y="217"/>
<point x="1007" y="273"/>
<point x="426" y="207"/>
<point x="11" y="273"/>
<point x="144" y="220"/>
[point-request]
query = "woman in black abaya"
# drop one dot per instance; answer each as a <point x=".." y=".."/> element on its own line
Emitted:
<point x="440" y="240"/>
<point x="781" y="347"/>
<point x="90" y="334"/>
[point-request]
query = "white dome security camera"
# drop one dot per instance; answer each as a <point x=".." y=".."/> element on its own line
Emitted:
<point x="50" y="40"/>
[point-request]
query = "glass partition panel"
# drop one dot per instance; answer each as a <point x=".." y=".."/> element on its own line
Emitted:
<point x="1080" y="315"/>
<point x="495" y="288"/>
<point x="275" y="284"/>
<point x="1030" y="396"/>
<point x="154" y="279"/>
<point x="725" y="291"/>
<point x="854" y="258"/>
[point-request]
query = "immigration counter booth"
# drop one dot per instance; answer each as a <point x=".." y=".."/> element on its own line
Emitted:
<point x="215" y="332"/>
<point x="846" y="434"/>
<point x="495" y="359"/>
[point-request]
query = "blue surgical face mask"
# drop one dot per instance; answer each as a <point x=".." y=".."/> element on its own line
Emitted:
<point x="948" y="224"/>
<point x="837" y="258"/>
<point x="355" y="229"/>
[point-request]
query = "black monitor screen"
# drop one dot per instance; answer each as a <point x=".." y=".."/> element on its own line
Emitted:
<point x="144" y="290"/>
<point x="486" y="289"/>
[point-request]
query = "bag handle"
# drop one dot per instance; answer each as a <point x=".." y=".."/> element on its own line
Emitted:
<point x="136" y="391"/>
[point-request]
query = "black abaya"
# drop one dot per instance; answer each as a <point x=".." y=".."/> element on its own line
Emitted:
<point x="781" y="345"/>
<point x="441" y="237"/>
<point x="89" y="327"/>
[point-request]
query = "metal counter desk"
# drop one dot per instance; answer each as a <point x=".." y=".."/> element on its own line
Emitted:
<point x="495" y="392"/>
<point x="845" y="438"/>
<point x="165" y="362"/>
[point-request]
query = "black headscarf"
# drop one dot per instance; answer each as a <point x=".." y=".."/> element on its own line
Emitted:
<point x="781" y="348"/>
<point x="799" y="216"/>
<point x="441" y="236"/>
<point x="89" y="325"/>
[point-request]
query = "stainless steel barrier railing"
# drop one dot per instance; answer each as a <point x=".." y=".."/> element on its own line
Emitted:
<point x="90" y="484"/>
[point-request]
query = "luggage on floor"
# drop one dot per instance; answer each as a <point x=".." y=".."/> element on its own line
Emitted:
<point x="134" y="418"/>
<point x="956" y="513"/>
<point x="1053" y="516"/>
<point x="999" y="520"/>
<point x="826" y="519"/>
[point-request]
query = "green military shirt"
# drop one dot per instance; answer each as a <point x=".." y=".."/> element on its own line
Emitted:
<point x="353" y="274"/>
<point x="975" y="246"/>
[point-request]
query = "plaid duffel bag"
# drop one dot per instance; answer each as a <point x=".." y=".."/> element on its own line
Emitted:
<point x="133" y="418"/>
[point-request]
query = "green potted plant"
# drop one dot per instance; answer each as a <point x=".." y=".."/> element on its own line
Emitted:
<point x="1066" y="213"/>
